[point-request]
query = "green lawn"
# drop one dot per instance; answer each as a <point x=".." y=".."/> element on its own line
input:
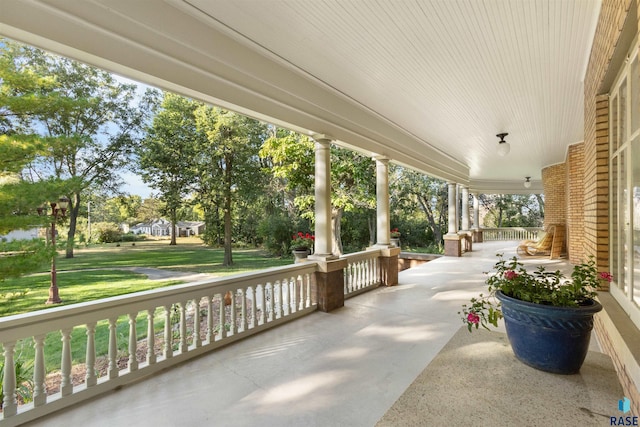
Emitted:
<point x="95" y="272"/>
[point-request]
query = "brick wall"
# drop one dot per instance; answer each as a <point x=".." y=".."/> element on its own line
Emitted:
<point x="554" y="182"/>
<point x="596" y="195"/>
<point x="575" y="203"/>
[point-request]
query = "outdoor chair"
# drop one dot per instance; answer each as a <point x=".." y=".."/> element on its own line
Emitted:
<point x="542" y="246"/>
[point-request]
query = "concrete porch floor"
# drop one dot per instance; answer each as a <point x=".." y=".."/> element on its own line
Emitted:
<point x="345" y="368"/>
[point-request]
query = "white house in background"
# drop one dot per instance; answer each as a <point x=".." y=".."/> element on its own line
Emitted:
<point x="162" y="227"/>
<point x="157" y="227"/>
<point x="32" y="233"/>
<point x="190" y="228"/>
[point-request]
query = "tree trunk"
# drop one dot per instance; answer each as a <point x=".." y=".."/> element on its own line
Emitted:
<point x="174" y="216"/>
<point x="228" y="257"/>
<point x="372" y="221"/>
<point x="336" y="217"/>
<point x="72" y="213"/>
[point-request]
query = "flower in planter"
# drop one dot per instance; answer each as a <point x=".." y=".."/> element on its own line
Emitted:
<point x="302" y="241"/>
<point x="395" y="233"/>
<point x="538" y="287"/>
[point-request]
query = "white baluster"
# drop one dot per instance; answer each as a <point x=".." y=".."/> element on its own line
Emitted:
<point x="90" y="377"/>
<point x="272" y="297"/>
<point x="223" y="312"/>
<point x="308" y="282"/>
<point x="133" y="343"/>
<point x="197" y="342"/>
<point x="293" y="294"/>
<point x="66" y="386"/>
<point x="39" y="373"/>
<point x="168" y="333"/>
<point x="151" y="336"/>
<point x="183" y="328"/>
<point x="243" y="310"/>
<point x="261" y="290"/>
<point x="210" y="334"/>
<point x="9" y="403"/>
<point x="279" y="303"/>
<point x="113" y="350"/>
<point x="345" y="280"/>
<point x="254" y="314"/>
<point x="232" y="314"/>
<point x="300" y="284"/>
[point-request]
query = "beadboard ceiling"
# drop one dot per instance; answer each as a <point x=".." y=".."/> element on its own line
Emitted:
<point x="428" y="83"/>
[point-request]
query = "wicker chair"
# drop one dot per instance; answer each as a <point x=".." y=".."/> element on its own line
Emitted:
<point x="539" y="247"/>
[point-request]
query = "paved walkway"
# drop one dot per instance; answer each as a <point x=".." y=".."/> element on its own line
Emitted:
<point x="344" y="368"/>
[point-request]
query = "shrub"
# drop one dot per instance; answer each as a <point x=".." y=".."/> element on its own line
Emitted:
<point x="107" y="232"/>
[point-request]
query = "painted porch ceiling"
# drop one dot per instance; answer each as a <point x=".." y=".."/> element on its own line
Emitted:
<point x="428" y="83"/>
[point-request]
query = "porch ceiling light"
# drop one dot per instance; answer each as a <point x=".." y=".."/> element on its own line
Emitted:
<point x="527" y="182"/>
<point x="503" y="146"/>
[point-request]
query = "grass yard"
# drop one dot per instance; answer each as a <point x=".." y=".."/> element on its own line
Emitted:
<point x="96" y="272"/>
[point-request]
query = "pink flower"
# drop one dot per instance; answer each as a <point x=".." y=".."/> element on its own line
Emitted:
<point x="473" y="318"/>
<point x="510" y="274"/>
<point x="605" y="275"/>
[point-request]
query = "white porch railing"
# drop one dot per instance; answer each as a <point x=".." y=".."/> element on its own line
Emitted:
<point x="159" y="328"/>
<point x="510" y="233"/>
<point x="362" y="272"/>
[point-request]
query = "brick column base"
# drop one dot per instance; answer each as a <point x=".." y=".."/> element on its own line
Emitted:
<point x="477" y="236"/>
<point x="329" y="284"/>
<point x="452" y="245"/>
<point x="389" y="266"/>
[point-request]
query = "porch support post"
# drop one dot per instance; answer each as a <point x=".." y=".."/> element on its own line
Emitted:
<point x="477" y="232"/>
<point x="467" y="235"/>
<point x="323" y="240"/>
<point x="388" y="258"/>
<point x="382" y="202"/>
<point x="452" y="229"/>
<point x="329" y="278"/>
<point x="465" y="209"/>
<point x="452" y="244"/>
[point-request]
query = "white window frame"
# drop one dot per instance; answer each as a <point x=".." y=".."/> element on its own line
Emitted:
<point x="624" y="147"/>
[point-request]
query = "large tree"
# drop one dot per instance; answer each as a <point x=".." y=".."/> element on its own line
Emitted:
<point x="167" y="153"/>
<point x="414" y="191"/>
<point x="352" y="178"/>
<point x="513" y="210"/>
<point x="22" y="95"/>
<point x="227" y="166"/>
<point x="90" y="127"/>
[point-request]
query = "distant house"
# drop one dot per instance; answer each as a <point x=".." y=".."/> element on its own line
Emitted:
<point x="157" y="227"/>
<point x="162" y="227"/>
<point x="190" y="228"/>
<point x="32" y="233"/>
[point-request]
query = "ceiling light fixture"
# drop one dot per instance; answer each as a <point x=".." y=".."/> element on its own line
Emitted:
<point x="527" y="182"/>
<point x="503" y="146"/>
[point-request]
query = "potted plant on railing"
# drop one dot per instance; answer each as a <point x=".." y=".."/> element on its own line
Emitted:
<point x="302" y="245"/>
<point x="547" y="317"/>
<point x="395" y="237"/>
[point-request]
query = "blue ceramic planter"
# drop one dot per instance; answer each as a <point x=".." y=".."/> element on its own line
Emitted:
<point x="552" y="339"/>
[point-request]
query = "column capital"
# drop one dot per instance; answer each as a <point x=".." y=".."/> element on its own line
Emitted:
<point x="321" y="138"/>
<point x="380" y="158"/>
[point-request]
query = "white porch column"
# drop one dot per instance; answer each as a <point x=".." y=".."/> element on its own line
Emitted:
<point x="323" y="241"/>
<point x="452" y="218"/>
<point x="465" y="209"/>
<point x="457" y="207"/>
<point x="476" y="212"/>
<point x="382" y="202"/>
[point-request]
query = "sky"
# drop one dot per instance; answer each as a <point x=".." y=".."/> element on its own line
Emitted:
<point x="134" y="185"/>
<point x="133" y="182"/>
